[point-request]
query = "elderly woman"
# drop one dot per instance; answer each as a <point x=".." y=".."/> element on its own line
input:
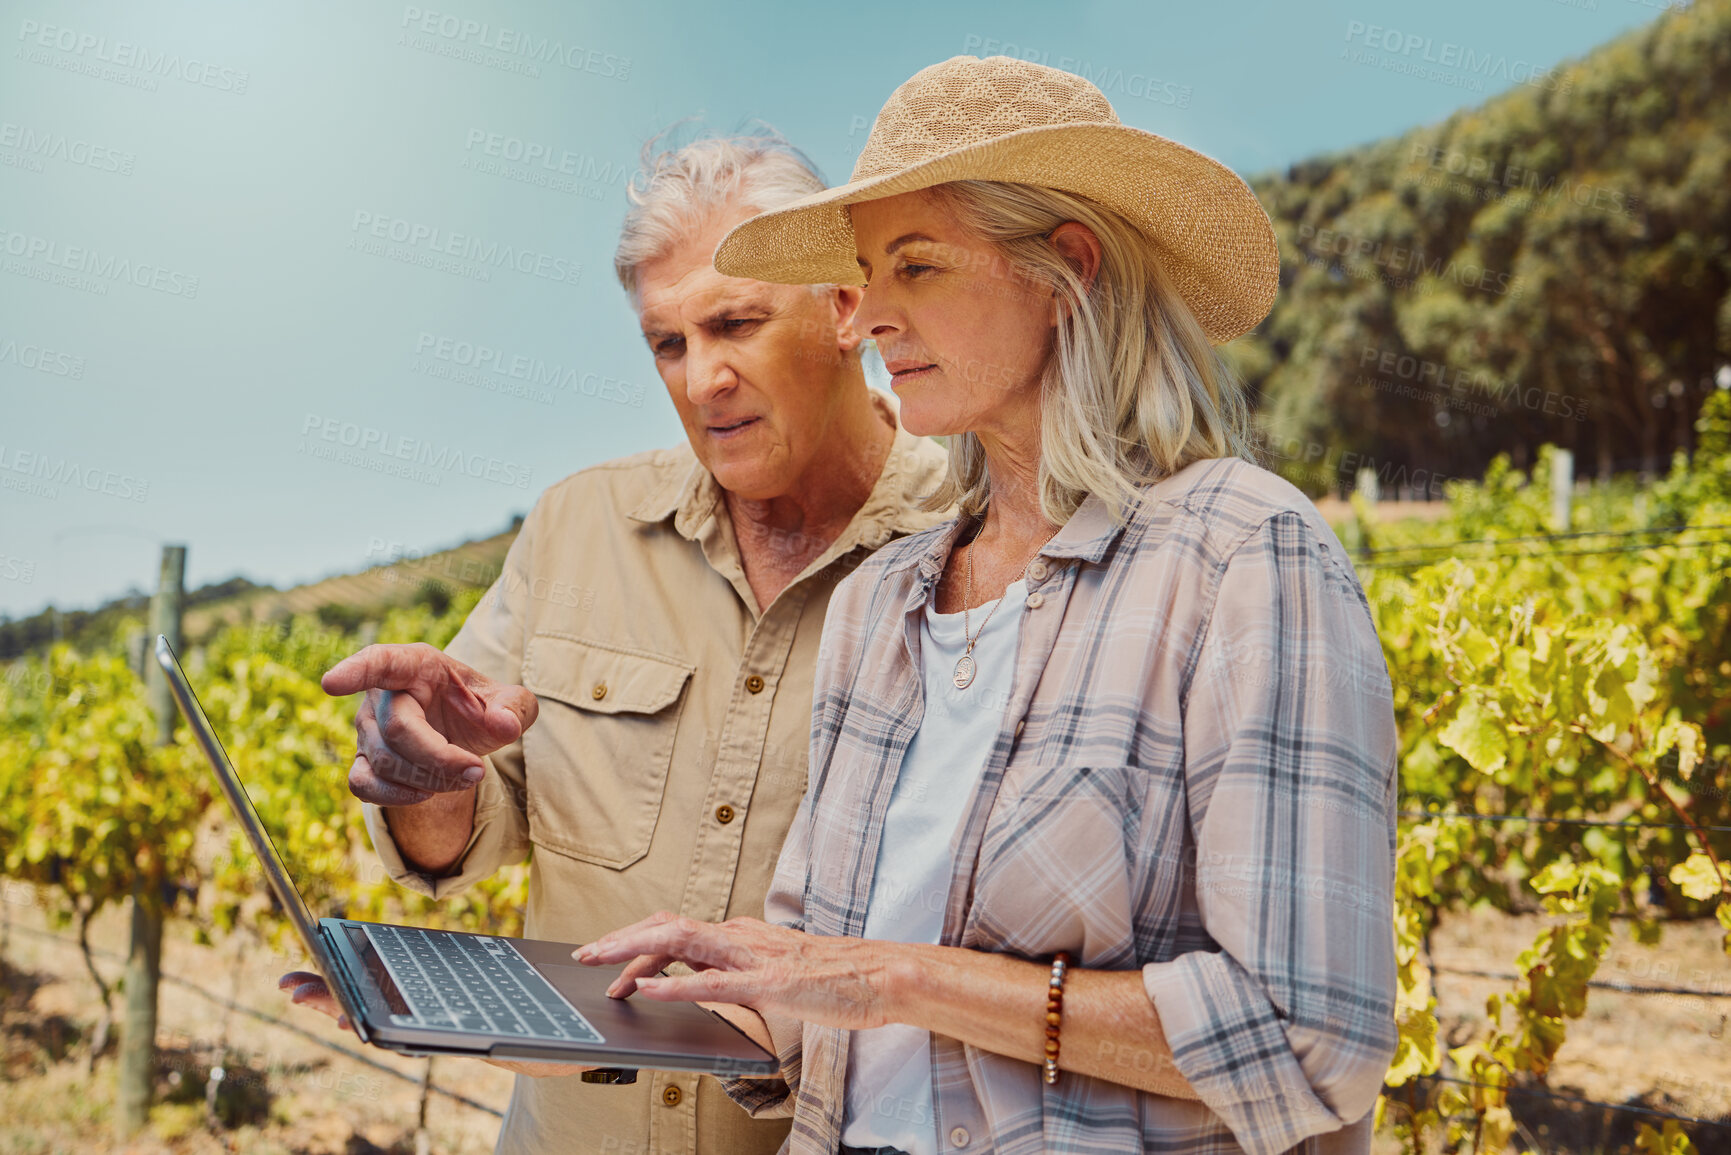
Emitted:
<point x="1097" y="848"/>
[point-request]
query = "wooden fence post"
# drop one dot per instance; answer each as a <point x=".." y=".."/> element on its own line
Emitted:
<point x="144" y="958"/>
<point x="1562" y="488"/>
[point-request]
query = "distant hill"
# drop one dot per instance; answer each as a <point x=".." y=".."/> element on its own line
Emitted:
<point x="345" y="600"/>
<point x="1554" y="265"/>
<point x="349" y="599"/>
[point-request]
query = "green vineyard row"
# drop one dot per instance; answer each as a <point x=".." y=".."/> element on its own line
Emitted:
<point x="1578" y="677"/>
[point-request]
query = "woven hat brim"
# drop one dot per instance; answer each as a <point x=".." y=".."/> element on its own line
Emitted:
<point x="1213" y="236"/>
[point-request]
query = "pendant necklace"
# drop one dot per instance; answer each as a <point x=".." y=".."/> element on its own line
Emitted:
<point x="966" y="667"/>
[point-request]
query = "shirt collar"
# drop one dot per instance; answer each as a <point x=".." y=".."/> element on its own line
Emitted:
<point x="688" y="496"/>
<point x="911" y="472"/>
<point x="1087" y="536"/>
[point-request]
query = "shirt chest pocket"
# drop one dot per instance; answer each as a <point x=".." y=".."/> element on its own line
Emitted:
<point x="1068" y="841"/>
<point x="598" y="755"/>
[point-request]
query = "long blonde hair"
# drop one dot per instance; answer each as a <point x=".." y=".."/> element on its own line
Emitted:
<point x="1134" y="390"/>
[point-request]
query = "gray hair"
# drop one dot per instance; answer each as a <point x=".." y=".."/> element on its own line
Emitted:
<point x="1133" y="391"/>
<point x="676" y="189"/>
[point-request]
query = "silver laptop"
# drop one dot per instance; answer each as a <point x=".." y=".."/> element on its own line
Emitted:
<point x="433" y="992"/>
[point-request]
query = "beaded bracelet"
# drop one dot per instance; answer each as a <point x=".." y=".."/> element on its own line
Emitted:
<point x="1055" y="1013"/>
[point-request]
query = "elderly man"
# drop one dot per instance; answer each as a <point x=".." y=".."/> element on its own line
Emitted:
<point x="632" y="698"/>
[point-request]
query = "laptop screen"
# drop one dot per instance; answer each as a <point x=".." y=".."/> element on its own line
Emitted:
<point x="241" y="803"/>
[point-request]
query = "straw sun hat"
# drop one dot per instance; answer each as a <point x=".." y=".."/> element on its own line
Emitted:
<point x="1003" y="119"/>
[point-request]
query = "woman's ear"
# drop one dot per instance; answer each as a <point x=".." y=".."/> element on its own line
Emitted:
<point x="1080" y="249"/>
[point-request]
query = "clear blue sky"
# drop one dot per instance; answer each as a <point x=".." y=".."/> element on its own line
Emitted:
<point x="193" y="297"/>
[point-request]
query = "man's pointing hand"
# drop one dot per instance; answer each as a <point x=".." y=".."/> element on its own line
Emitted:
<point x="426" y="721"/>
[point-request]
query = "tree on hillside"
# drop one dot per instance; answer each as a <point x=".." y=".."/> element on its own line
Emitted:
<point x="1553" y="266"/>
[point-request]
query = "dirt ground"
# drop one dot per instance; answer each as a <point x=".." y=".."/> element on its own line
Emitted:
<point x="1654" y="1052"/>
<point x="285" y="1094"/>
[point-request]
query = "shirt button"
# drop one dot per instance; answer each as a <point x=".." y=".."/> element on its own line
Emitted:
<point x="959" y="1136"/>
<point x="1038" y="569"/>
<point x="754" y="684"/>
<point x="599" y="692"/>
<point x="670" y="1095"/>
<point x="1036" y="600"/>
<point x="724" y="814"/>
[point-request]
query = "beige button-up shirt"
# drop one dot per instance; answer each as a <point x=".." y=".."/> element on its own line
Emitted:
<point x="670" y="751"/>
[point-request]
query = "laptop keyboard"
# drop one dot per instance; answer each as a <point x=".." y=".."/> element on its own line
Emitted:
<point x="474" y="983"/>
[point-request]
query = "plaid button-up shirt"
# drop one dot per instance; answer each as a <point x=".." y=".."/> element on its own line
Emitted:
<point x="1194" y="777"/>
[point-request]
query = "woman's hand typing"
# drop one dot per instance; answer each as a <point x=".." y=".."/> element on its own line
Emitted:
<point x="835" y="982"/>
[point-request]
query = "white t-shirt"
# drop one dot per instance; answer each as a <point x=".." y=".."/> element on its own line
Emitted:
<point x="889" y="1077"/>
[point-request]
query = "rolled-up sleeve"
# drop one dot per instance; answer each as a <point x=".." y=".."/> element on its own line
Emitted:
<point x="1286" y="1030"/>
<point x="491" y="641"/>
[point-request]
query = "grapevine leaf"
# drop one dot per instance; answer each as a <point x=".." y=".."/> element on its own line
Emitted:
<point x="1641" y="688"/>
<point x="1517" y="669"/>
<point x="1689" y="743"/>
<point x="1673" y="1140"/>
<point x="1417" y="1052"/>
<point x="1542" y="644"/>
<point x="1451" y="1100"/>
<point x="1499" y="1128"/>
<point x="1477" y="735"/>
<point x="1478" y="647"/>
<point x="1617" y="646"/>
<point x="1611" y="699"/>
<point x="1697" y="878"/>
<point x="1557" y="876"/>
<point x="1686" y="738"/>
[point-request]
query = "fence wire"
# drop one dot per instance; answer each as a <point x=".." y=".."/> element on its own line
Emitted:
<point x="261" y="1016"/>
<point x="1597" y="984"/>
<point x="1542" y="819"/>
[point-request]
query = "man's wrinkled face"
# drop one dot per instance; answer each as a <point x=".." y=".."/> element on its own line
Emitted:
<point x="751" y="366"/>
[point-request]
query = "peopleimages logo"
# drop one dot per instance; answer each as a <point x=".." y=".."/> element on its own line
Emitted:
<point x="1410" y="376"/>
<point x="25" y="355"/>
<point x="1401" y="267"/>
<point x="537" y="154"/>
<point x="1326" y="462"/>
<point x="88" y="262"/>
<point x="437" y="242"/>
<point x="40" y="475"/>
<point x="542" y="165"/>
<point x="1499" y="178"/>
<point x="86" y="46"/>
<point x="41" y="145"/>
<point x="391" y="453"/>
<point x="16" y="569"/>
<point x="513" y="42"/>
<point x="537" y="376"/>
<point x="1409" y="52"/>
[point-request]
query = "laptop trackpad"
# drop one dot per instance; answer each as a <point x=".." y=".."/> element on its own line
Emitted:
<point x="640" y="1023"/>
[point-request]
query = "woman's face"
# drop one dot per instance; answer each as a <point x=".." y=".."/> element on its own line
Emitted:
<point x="964" y="336"/>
